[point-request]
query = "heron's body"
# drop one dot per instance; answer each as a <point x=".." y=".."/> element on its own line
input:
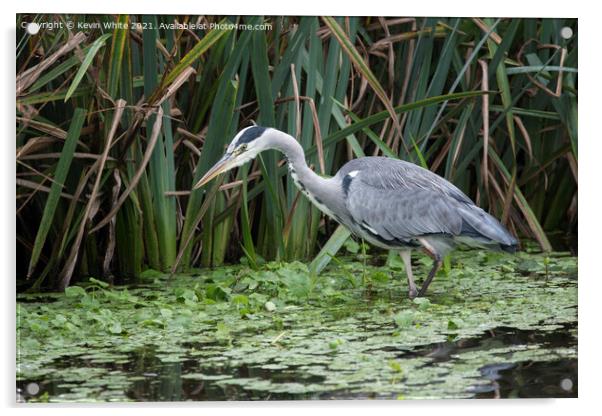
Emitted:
<point x="390" y="203"/>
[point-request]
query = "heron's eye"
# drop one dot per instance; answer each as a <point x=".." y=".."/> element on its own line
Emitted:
<point x="242" y="148"/>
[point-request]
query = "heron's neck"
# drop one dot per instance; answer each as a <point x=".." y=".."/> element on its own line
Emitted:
<point x="311" y="184"/>
<point x="295" y="156"/>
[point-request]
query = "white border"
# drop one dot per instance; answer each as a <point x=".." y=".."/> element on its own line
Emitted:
<point x="590" y="151"/>
<point x="507" y="8"/>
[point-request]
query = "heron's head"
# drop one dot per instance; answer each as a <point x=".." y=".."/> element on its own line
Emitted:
<point x="244" y="147"/>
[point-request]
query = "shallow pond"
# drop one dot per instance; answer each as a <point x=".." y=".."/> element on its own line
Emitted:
<point x="493" y="325"/>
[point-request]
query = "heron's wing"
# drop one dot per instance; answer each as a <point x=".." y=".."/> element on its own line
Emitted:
<point x="398" y="175"/>
<point x="400" y="200"/>
<point x="403" y="212"/>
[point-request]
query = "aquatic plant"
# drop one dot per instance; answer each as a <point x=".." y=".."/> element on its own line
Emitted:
<point x="281" y="332"/>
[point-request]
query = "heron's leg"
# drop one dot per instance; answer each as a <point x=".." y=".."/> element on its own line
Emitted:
<point x="436" y="265"/>
<point x="407" y="261"/>
<point x="438" y="261"/>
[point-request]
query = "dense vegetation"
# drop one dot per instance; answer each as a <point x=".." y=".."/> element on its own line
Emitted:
<point x="114" y="125"/>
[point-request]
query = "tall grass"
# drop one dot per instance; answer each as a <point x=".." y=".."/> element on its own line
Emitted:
<point x="115" y="125"/>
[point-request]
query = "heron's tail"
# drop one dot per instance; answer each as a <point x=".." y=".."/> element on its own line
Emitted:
<point x="483" y="229"/>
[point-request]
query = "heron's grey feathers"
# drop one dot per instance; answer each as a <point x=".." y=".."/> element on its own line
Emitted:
<point x="478" y="224"/>
<point x="399" y="202"/>
<point x="393" y="174"/>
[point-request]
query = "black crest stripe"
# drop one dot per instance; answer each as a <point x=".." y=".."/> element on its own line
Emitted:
<point x="251" y="134"/>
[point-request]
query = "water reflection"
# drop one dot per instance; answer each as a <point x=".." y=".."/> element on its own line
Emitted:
<point x="150" y="379"/>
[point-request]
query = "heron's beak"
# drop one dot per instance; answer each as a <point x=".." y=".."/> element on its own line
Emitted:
<point x="224" y="164"/>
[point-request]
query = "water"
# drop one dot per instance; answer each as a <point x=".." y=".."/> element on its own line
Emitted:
<point x="152" y="380"/>
<point x="494" y="328"/>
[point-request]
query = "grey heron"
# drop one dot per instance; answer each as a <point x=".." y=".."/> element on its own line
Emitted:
<point x="391" y="203"/>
